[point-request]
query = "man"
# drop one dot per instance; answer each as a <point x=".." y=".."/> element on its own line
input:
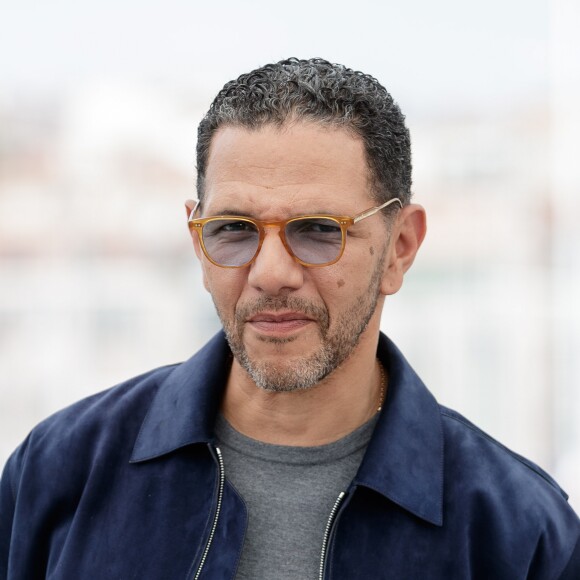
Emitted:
<point x="298" y="443"/>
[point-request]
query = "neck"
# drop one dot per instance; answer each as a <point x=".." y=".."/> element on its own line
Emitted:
<point x="336" y="406"/>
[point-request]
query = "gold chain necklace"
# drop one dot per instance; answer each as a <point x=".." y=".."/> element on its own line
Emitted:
<point x="383" y="386"/>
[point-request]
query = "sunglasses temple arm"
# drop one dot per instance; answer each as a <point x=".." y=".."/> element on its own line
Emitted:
<point x="374" y="210"/>
<point x="192" y="213"/>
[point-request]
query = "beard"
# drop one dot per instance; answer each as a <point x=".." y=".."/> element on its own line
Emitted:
<point x="338" y="337"/>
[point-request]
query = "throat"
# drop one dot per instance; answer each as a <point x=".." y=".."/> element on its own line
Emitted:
<point x="319" y="415"/>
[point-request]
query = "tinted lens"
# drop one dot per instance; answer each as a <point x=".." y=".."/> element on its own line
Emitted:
<point x="230" y="242"/>
<point x="315" y="240"/>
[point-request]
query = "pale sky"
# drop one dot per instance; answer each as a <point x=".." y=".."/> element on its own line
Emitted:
<point x="433" y="56"/>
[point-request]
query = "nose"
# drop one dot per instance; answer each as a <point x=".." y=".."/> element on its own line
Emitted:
<point x="274" y="270"/>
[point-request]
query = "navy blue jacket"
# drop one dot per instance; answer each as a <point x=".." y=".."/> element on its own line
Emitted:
<point x="127" y="484"/>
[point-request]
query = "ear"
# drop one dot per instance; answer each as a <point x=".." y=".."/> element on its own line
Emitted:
<point x="189" y="206"/>
<point x="407" y="234"/>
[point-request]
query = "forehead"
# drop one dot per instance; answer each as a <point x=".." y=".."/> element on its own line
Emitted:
<point x="294" y="168"/>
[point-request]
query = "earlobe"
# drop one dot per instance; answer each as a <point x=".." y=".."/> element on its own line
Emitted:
<point x="407" y="235"/>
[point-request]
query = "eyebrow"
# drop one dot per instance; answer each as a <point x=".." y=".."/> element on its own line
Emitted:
<point x="233" y="212"/>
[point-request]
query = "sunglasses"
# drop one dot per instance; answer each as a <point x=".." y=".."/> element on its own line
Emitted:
<point x="312" y="240"/>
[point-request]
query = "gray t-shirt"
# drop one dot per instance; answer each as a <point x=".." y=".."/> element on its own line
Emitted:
<point x="289" y="493"/>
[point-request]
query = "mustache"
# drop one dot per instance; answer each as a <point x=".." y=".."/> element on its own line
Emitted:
<point x="276" y="303"/>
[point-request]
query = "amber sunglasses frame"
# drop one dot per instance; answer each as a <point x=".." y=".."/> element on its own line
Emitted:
<point x="344" y="222"/>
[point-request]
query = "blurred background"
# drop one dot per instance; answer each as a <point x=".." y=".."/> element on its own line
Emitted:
<point x="99" y="104"/>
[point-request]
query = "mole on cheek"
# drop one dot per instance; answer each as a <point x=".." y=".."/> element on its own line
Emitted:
<point x="340" y="283"/>
<point x="371" y="251"/>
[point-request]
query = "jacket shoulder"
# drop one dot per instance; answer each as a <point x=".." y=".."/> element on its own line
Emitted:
<point x="47" y="473"/>
<point x="493" y="455"/>
<point x="86" y="431"/>
<point x="513" y="505"/>
<point x="126" y="402"/>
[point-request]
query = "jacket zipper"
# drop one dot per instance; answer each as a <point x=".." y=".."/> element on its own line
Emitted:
<point x="222" y="479"/>
<point x="327" y="530"/>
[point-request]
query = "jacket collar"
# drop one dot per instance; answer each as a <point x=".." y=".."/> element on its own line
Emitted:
<point x="404" y="459"/>
<point x="184" y="408"/>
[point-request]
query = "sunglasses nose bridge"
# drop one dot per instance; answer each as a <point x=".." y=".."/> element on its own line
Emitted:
<point x="281" y="227"/>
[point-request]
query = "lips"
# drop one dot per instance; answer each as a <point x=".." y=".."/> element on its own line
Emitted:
<point x="279" y="321"/>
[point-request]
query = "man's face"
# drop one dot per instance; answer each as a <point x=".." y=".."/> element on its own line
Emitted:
<point x="288" y="325"/>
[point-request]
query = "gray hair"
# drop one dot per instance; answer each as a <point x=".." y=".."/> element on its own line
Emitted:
<point x="318" y="91"/>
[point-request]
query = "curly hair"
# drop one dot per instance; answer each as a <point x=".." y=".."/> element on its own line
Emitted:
<point x="318" y="91"/>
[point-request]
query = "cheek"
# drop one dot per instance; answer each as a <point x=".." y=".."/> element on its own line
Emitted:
<point x="351" y="277"/>
<point x="206" y="283"/>
<point x="331" y="281"/>
<point x="346" y="276"/>
<point x="224" y="285"/>
<point x="338" y="285"/>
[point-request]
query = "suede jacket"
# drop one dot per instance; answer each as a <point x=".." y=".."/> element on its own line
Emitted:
<point x="128" y="484"/>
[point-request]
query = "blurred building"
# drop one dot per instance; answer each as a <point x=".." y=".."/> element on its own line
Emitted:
<point x="98" y="280"/>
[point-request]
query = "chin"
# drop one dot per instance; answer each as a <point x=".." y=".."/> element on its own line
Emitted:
<point x="295" y="371"/>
